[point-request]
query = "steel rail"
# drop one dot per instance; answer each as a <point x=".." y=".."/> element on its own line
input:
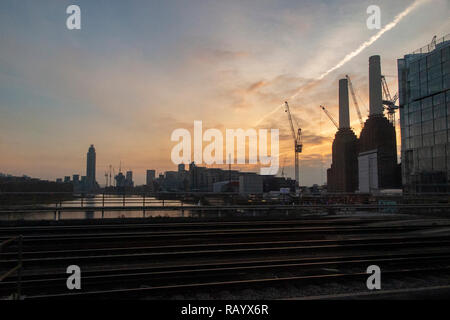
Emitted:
<point x="242" y="264"/>
<point x="139" y="291"/>
<point x="217" y="252"/>
<point x="244" y="245"/>
<point x="197" y="224"/>
<point x="229" y="232"/>
<point x="183" y="273"/>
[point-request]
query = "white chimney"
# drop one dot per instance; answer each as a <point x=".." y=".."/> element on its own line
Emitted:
<point x="344" y="116"/>
<point x="375" y="95"/>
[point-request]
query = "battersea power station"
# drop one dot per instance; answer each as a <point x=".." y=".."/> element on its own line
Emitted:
<point x="369" y="163"/>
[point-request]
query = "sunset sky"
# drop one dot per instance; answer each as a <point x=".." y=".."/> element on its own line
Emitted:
<point x="137" y="70"/>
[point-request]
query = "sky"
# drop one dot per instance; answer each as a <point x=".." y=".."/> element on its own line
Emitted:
<point x="138" y="70"/>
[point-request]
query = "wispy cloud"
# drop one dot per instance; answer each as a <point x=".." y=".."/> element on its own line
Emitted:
<point x="137" y="71"/>
<point x="350" y="55"/>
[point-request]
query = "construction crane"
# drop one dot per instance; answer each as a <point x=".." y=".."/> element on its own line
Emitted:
<point x="388" y="101"/>
<point x="298" y="146"/>
<point x="355" y="102"/>
<point x="432" y="45"/>
<point x="330" y="116"/>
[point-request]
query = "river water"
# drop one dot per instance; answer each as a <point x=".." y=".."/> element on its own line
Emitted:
<point x="98" y="201"/>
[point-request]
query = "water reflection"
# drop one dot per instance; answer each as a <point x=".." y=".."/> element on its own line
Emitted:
<point x="98" y="201"/>
<point x="90" y="202"/>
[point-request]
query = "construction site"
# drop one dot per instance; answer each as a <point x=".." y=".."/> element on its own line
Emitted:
<point x="369" y="163"/>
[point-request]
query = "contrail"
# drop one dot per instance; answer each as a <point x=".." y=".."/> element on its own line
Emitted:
<point x="375" y="37"/>
<point x="354" y="53"/>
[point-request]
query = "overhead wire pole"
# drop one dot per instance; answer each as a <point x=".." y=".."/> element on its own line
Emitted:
<point x="355" y="101"/>
<point x="110" y="173"/>
<point x="282" y="167"/>
<point x="298" y="146"/>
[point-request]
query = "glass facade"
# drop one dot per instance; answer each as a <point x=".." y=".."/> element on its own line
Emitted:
<point x="424" y="95"/>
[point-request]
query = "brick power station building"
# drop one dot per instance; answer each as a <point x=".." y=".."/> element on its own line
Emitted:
<point x="369" y="163"/>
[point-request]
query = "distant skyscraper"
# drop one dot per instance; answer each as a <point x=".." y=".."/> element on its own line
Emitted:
<point x="120" y="180"/>
<point x="150" y="177"/>
<point x="129" y="179"/>
<point x="90" y="169"/>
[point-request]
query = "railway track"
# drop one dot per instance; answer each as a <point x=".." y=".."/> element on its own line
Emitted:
<point x="223" y="233"/>
<point x="155" y="260"/>
<point x="82" y="228"/>
<point x="165" y="277"/>
<point x="221" y="249"/>
<point x="161" y="291"/>
<point x="416" y="293"/>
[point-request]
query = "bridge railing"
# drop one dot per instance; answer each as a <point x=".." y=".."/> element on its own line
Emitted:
<point x="25" y="200"/>
<point x="67" y="212"/>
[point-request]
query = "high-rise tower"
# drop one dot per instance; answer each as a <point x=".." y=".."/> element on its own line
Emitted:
<point x="90" y="169"/>
<point x="424" y="97"/>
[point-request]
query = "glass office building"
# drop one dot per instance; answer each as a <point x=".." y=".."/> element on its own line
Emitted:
<point x="424" y="98"/>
